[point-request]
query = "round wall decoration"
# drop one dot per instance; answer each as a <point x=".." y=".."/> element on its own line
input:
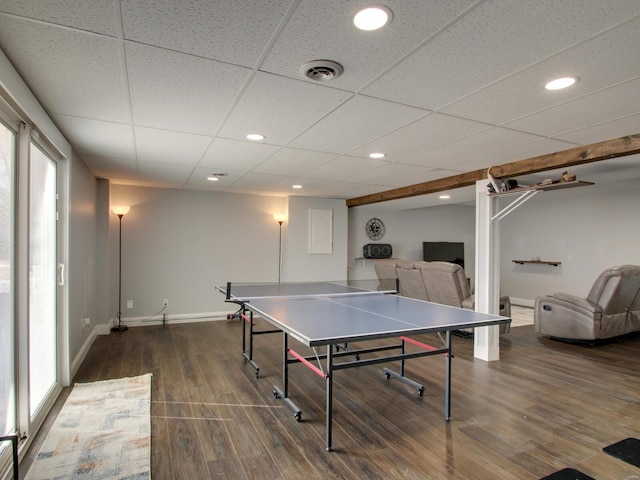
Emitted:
<point x="375" y="229"/>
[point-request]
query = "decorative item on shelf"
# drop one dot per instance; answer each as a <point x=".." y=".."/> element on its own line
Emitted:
<point x="377" y="250"/>
<point x="564" y="178"/>
<point x="375" y="229"/>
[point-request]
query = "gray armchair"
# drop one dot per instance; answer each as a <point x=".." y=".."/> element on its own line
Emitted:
<point x="611" y="309"/>
<point x="446" y="283"/>
<point x="386" y="272"/>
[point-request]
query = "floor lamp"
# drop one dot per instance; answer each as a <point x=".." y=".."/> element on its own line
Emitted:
<point x="280" y="217"/>
<point x="121" y="212"/>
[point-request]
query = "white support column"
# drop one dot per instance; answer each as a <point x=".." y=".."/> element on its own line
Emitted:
<point x="487" y="280"/>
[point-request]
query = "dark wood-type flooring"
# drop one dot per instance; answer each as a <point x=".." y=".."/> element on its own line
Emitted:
<point x="544" y="406"/>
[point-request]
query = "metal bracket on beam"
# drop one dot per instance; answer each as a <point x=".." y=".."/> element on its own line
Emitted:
<point x="522" y="197"/>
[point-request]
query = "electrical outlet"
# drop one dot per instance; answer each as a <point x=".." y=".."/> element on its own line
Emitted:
<point x="129" y="304"/>
<point x="165" y="302"/>
<point x="86" y="322"/>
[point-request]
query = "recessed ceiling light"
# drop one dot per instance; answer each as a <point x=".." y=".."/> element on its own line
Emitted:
<point x="560" y="83"/>
<point x="214" y="177"/>
<point x="255" y="137"/>
<point x="372" y="17"/>
<point x="376" y="155"/>
<point x="445" y="197"/>
<point x="296" y="186"/>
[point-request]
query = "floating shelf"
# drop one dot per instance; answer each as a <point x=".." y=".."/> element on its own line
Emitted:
<point x="544" y="188"/>
<point x="539" y="262"/>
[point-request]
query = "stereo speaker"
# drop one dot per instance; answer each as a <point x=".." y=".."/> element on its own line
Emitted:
<point x="377" y="250"/>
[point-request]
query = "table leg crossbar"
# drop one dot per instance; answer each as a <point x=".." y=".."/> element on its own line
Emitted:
<point x="426" y="350"/>
<point x="247" y="345"/>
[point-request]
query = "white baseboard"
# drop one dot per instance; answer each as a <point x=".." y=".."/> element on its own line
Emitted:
<point x="84" y="349"/>
<point x="171" y="319"/>
<point x="522" y="302"/>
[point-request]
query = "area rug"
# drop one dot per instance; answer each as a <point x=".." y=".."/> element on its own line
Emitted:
<point x="568" y="474"/>
<point x="627" y="450"/>
<point x="102" y="432"/>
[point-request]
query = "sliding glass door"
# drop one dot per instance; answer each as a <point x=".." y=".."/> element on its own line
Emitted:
<point x="7" y="325"/>
<point x="43" y="371"/>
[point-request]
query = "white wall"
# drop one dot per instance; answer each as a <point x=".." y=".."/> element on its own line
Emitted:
<point x="298" y="264"/>
<point x="180" y="244"/>
<point x="406" y="231"/>
<point x="588" y="229"/>
<point x="81" y="269"/>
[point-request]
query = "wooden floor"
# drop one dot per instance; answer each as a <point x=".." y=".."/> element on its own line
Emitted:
<point x="544" y="406"/>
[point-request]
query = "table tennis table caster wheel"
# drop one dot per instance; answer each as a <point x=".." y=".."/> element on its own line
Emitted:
<point x="244" y="360"/>
<point x="298" y="416"/>
<point x="257" y="373"/>
<point x="275" y="393"/>
<point x="421" y="391"/>
<point x="357" y="356"/>
<point x="387" y="375"/>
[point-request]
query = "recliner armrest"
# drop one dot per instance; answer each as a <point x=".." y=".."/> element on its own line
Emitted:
<point x="566" y="300"/>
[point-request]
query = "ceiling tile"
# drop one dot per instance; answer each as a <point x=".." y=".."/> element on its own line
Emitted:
<point x="343" y="167"/>
<point x="323" y="30"/>
<point x="90" y="15"/>
<point x="199" y="178"/>
<point x="293" y="161"/>
<point x="493" y="41"/>
<point x="423" y="134"/>
<point x="604" y="131"/>
<point x="113" y="168"/>
<point x="189" y="94"/>
<point x="230" y="31"/>
<point x="162" y="146"/>
<point x="524" y="92"/>
<point x="605" y="105"/>
<point x="486" y="141"/>
<point x="236" y="155"/>
<point x="389" y="174"/>
<point x="280" y="108"/>
<point x="67" y="68"/>
<point x="95" y="137"/>
<point x="175" y="175"/>
<point x="345" y="128"/>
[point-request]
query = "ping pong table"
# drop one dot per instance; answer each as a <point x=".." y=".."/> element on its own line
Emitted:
<point x="336" y="315"/>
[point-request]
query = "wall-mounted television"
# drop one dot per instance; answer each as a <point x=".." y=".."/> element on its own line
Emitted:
<point x="452" y="252"/>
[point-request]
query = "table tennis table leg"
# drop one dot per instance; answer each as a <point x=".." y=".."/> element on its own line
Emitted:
<point x="329" y="403"/>
<point x="447" y="400"/>
<point x="284" y="392"/>
<point x="248" y="357"/>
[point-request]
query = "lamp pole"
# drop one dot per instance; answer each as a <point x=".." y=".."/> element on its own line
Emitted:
<point x="119" y="327"/>
<point x="280" y="251"/>
<point x="280" y="218"/>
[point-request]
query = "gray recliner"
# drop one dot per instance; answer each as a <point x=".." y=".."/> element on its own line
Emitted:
<point x="446" y="283"/>
<point x="386" y="272"/>
<point x="611" y="309"/>
<point x="410" y="279"/>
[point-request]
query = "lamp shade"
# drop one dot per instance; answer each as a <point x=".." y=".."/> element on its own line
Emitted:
<point x="121" y="209"/>
<point x="280" y="217"/>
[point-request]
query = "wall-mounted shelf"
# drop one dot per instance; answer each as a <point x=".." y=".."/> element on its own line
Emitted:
<point x="539" y="262"/>
<point x="544" y="188"/>
<point x="523" y="194"/>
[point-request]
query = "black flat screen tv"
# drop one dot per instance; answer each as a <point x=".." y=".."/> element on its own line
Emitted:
<point x="452" y="252"/>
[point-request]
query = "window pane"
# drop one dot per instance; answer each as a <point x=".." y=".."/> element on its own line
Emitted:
<point x="7" y="337"/>
<point x="42" y="277"/>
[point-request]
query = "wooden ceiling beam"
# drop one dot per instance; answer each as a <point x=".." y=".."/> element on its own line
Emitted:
<point x="595" y="152"/>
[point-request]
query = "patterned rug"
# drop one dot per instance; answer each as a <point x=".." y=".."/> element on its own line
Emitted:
<point x="102" y="432"/>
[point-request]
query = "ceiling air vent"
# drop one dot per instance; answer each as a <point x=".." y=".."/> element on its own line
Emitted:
<point x="321" y="70"/>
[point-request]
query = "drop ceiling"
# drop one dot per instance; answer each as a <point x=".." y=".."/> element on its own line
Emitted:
<point x="162" y="94"/>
